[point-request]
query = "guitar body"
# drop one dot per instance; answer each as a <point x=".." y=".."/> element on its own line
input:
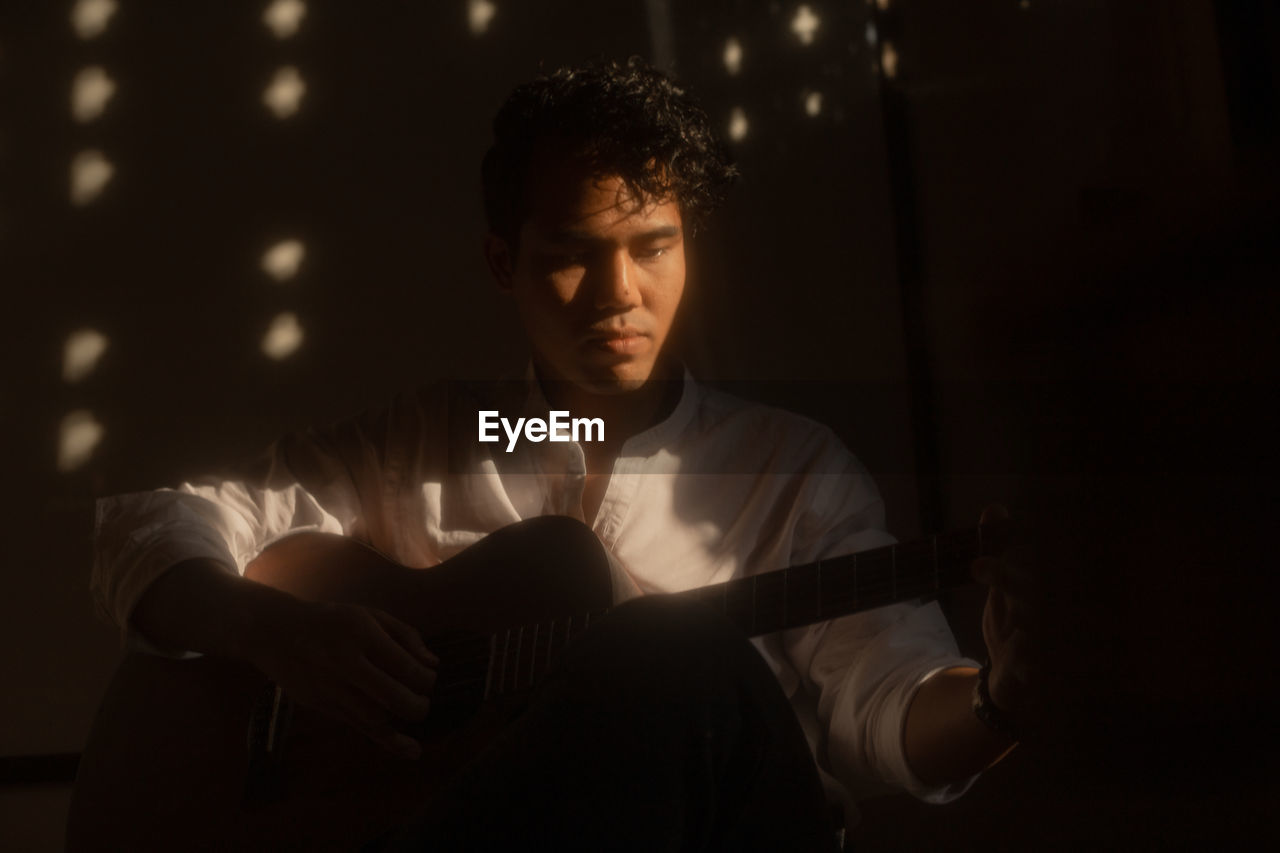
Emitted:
<point x="168" y="762"/>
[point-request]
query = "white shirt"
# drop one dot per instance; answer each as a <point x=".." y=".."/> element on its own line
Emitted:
<point x="720" y="489"/>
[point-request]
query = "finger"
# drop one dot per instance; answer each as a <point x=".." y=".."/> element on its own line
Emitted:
<point x="389" y="694"/>
<point x="407" y="636"/>
<point x="398" y="662"/>
<point x="1020" y="658"/>
<point x="995" y="621"/>
<point x="1008" y="576"/>
<point x="365" y="717"/>
<point x="984" y="570"/>
<point x="1018" y="669"/>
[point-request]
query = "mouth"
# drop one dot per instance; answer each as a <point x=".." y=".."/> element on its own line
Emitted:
<point x="624" y="341"/>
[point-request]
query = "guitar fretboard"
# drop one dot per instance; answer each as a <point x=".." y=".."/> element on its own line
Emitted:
<point x="515" y="659"/>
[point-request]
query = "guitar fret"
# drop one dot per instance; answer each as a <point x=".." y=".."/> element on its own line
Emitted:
<point x="839" y="584"/>
<point x="551" y="643"/>
<point x="515" y="664"/>
<point x="802" y="600"/>
<point x="770" y="610"/>
<point x="770" y="601"/>
<point x="874" y="578"/>
<point x="488" y="670"/>
<point x="785" y="573"/>
<point x="533" y="656"/>
<point x="502" y="673"/>
<point x="818" y="602"/>
<point x="739" y="603"/>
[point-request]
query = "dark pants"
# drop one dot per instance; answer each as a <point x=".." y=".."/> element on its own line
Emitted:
<point x="663" y="729"/>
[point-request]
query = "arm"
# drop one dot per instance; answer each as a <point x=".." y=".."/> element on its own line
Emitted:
<point x="199" y="605"/>
<point x="358" y="664"/>
<point x="167" y="570"/>
<point x="944" y="740"/>
<point x="892" y="689"/>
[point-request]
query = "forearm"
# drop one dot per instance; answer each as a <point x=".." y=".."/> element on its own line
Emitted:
<point x="944" y="741"/>
<point x="199" y="606"/>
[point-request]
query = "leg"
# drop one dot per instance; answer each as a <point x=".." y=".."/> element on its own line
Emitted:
<point x="663" y="729"/>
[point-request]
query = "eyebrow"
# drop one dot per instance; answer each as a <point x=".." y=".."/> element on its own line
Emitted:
<point x="573" y="235"/>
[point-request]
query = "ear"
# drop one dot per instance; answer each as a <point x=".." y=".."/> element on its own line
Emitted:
<point x="498" y="256"/>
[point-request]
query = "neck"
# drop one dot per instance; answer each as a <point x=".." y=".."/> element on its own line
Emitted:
<point x="625" y="414"/>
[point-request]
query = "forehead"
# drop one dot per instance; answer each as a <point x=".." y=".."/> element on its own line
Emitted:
<point x="563" y="195"/>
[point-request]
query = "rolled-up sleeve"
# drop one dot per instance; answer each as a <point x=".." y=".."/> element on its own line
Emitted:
<point x="303" y="482"/>
<point x="864" y="669"/>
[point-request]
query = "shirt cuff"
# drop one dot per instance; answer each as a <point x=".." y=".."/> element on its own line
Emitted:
<point x="936" y="794"/>
<point x="149" y="561"/>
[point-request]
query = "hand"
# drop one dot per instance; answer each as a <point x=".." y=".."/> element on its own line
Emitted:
<point x="1006" y="626"/>
<point x="358" y="664"/>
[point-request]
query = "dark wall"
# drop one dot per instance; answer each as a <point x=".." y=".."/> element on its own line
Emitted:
<point x="1033" y="140"/>
<point x="377" y="175"/>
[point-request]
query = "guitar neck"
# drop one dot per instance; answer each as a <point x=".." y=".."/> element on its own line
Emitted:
<point x="774" y="601"/>
<point x="838" y="586"/>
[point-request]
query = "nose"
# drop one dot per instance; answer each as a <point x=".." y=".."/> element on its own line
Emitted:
<point x="615" y="285"/>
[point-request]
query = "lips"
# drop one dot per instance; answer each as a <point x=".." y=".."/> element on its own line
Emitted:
<point x="624" y="341"/>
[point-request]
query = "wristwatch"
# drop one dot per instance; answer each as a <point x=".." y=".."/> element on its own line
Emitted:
<point x="988" y="711"/>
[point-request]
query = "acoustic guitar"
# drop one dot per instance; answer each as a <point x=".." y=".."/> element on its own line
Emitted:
<point x="206" y="754"/>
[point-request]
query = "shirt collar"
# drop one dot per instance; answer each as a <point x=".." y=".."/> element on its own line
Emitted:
<point x="643" y="443"/>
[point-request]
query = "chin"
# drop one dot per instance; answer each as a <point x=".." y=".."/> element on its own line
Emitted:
<point x="618" y="382"/>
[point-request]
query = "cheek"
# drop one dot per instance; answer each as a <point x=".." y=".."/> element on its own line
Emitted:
<point x="666" y="298"/>
<point x="546" y="298"/>
<point x="557" y="290"/>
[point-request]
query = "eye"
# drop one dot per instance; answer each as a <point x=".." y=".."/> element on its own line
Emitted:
<point x="651" y="253"/>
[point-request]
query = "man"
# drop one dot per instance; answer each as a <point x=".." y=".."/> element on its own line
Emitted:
<point x="596" y="180"/>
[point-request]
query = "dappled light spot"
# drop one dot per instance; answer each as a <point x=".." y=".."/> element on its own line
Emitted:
<point x="737" y="124"/>
<point x="282" y="260"/>
<point x="805" y="24"/>
<point x="479" y="14"/>
<point x="90" y="92"/>
<point x="889" y="60"/>
<point x="284" y="17"/>
<point x="81" y="353"/>
<point x="283" y="337"/>
<point x="91" y="171"/>
<point x="813" y="104"/>
<point x="79" y="434"/>
<point x="733" y="56"/>
<point x="883" y="5"/>
<point x="283" y="95"/>
<point x="89" y="18"/>
<point x="870" y="34"/>
<point x="1024" y="5"/>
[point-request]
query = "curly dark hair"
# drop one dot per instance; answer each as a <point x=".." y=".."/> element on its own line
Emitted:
<point x="625" y="119"/>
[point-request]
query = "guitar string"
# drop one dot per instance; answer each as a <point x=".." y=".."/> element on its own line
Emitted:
<point x="541" y="661"/>
<point x="860" y="588"/>
<point x="864" y="593"/>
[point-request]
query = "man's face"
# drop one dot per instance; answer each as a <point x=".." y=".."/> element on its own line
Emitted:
<point x="597" y="278"/>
